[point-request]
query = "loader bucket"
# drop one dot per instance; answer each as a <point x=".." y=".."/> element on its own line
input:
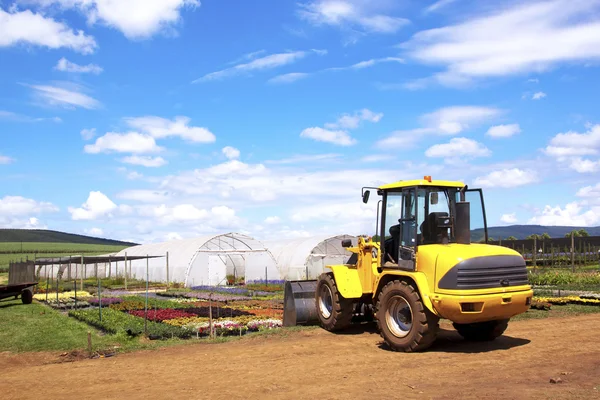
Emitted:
<point x="299" y="306"/>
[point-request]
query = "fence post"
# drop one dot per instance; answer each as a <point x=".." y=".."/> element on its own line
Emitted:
<point x="82" y="273"/>
<point x="572" y="251"/>
<point x="47" y="281"/>
<point x="168" y="270"/>
<point x="146" y="305"/>
<point x="99" y="294"/>
<point x="534" y="253"/>
<point x="125" y="270"/>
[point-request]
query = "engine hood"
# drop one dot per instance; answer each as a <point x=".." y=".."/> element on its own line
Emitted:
<point x="479" y="266"/>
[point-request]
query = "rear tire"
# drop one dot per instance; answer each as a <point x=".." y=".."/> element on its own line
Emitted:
<point x="334" y="311"/>
<point x="482" y="331"/>
<point x="26" y="296"/>
<point x="405" y="324"/>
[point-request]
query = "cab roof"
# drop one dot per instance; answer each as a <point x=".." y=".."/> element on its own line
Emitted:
<point x="426" y="181"/>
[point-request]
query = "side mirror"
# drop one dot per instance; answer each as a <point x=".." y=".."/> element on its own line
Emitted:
<point x="366" y="196"/>
<point x="347" y="242"/>
<point x="434" y="198"/>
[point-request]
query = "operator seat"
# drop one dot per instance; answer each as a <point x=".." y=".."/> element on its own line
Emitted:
<point x="429" y="229"/>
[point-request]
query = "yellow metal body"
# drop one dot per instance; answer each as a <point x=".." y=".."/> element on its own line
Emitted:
<point x="365" y="279"/>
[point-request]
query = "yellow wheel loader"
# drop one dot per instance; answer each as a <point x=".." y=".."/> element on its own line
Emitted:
<point x="424" y="266"/>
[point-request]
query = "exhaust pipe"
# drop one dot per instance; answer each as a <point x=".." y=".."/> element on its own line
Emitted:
<point x="299" y="305"/>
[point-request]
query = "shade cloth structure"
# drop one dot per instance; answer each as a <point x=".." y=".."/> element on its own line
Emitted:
<point x="205" y="260"/>
<point x="306" y="258"/>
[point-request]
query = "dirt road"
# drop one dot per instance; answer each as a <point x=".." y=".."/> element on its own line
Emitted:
<point x="319" y="365"/>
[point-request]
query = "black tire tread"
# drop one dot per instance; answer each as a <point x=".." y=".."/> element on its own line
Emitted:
<point x="341" y="316"/>
<point x="424" y="321"/>
<point x="27" y="296"/>
<point x="482" y="331"/>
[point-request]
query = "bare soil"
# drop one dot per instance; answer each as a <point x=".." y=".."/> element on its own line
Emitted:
<point x="316" y="364"/>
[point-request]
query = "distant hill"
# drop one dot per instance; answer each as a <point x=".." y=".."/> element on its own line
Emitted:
<point x="522" y="231"/>
<point x="46" y="236"/>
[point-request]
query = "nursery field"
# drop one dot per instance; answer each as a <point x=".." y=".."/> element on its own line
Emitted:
<point x="318" y="364"/>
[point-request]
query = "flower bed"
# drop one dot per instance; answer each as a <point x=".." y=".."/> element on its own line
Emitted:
<point x="106" y="301"/>
<point x="63" y="295"/>
<point x="567" y="300"/>
<point x="115" y="322"/>
<point x="161" y="314"/>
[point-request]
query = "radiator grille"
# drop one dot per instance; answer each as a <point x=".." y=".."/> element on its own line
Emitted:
<point x="491" y="277"/>
<point x="486" y="272"/>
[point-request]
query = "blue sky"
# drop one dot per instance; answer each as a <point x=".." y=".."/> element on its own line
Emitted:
<point x="152" y="120"/>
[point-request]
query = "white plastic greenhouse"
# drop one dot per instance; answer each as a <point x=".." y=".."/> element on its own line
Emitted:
<point x="205" y="260"/>
<point x="306" y="258"/>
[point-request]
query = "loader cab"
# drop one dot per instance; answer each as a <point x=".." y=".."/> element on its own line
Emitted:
<point x="426" y="212"/>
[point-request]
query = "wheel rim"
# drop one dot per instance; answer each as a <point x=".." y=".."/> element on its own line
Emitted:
<point x="398" y="316"/>
<point x="325" y="302"/>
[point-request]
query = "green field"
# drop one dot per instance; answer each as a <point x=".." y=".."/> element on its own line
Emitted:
<point x="13" y="251"/>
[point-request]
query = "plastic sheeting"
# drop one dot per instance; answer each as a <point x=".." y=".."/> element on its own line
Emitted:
<point x="204" y="260"/>
<point x="306" y="258"/>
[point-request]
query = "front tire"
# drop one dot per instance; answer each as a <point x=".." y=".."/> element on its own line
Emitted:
<point x="482" y="331"/>
<point x="334" y="311"/>
<point x="26" y="296"/>
<point x="404" y="323"/>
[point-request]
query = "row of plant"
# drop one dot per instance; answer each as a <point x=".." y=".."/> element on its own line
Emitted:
<point x="568" y="300"/>
<point x="564" y="278"/>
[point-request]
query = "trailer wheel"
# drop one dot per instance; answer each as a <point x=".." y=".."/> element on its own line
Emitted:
<point x="405" y="324"/>
<point x="334" y="311"/>
<point x="482" y="331"/>
<point x="27" y="296"/>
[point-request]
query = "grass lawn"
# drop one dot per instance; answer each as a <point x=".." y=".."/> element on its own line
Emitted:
<point x="567" y="310"/>
<point x="3" y="278"/>
<point x="36" y="327"/>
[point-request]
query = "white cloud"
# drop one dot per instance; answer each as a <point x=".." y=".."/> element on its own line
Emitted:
<point x="338" y="137"/>
<point x="29" y="28"/>
<point x="502" y="131"/>
<point x="584" y="166"/>
<point x="533" y="80"/>
<point x="377" y="158"/>
<point x="517" y="39"/>
<point x="11" y="206"/>
<point x="231" y="152"/>
<point x="350" y="14"/>
<point x="444" y="121"/>
<point x="94" y="232"/>
<point x="289" y="78"/>
<point x="573" y="214"/>
<point x="402" y="139"/>
<point x="131" y="142"/>
<point x="6" y="159"/>
<point x="26" y="118"/>
<point x="456" y="119"/>
<point x="145" y="161"/>
<point x="570" y="146"/>
<point x="305" y="159"/>
<point x="295" y="76"/>
<point x="160" y="128"/>
<point x="538" y="96"/>
<point x="337" y="132"/>
<point x="509" y="218"/>
<point x="136" y="19"/>
<point x="507" y="178"/>
<point x="20" y="223"/>
<point x="264" y="63"/>
<point x="272" y="220"/>
<point x="88" y="134"/>
<point x="352" y="121"/>
<point x="68" y="66"/>
<point x="589" y="191"/>
<point x="97" y="205"/>
<point x="133" y="175"/>
<point x="458" y="147"/>
<point x="438" y="5"/>
<point x="64" y="96"/>
<point x="145" y="196"/>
